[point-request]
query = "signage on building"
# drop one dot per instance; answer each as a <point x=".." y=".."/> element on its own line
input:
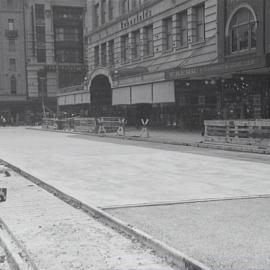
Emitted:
<point x="215" y="69"/>
<point x="138" y="17"/>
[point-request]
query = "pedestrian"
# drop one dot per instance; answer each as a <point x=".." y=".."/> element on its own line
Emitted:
<point x="3" y="121"/>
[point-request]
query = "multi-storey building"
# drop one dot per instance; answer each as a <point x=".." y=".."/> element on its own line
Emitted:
<point x="13" y="94"/>
<point x="244" y="56"/>
<point x="131" y="47"/>
<point x="178" y="62"/>
<point x="55" y="50"/>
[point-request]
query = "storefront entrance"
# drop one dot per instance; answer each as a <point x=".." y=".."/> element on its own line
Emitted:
<point x="101" y="96"/>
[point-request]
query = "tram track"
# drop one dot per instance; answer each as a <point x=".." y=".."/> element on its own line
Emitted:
<point x="180" y="260"/>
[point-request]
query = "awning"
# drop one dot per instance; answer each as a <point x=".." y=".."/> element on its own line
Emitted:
<point x="70" y="100"/>
<point x="86" y="98"/>
<point x="121" y="96"/>
<point x="141" y="94"/>
<point x="78" y="98"/>
<point x="61" y="100"/>
<point x="163" y="92"/>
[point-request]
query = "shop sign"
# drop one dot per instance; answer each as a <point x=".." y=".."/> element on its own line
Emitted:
<point x="214" y="69"/>
<point x="133" y="20"/>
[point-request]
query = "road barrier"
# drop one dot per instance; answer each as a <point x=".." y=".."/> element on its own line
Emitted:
<point x="111" y="125"/>
<point x="94" y="125"/>
<point x="49" y="123"/>
<point x="247" y="132"/>
<point x="85" y="124"/>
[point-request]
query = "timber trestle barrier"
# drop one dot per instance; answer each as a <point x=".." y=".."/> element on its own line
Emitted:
<point x="245" y="132"/>
<point x="100" y="125"/>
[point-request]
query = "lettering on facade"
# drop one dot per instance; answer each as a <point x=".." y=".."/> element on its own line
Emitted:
<point x="214" y="69"/>
<point x="140" y="16"/>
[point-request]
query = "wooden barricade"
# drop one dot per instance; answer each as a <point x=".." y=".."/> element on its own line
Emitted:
<point x="111" y="125"/>
<point x="49" y="123"/>
<point x="247" y="132"/>
<point x="85" y="124"/>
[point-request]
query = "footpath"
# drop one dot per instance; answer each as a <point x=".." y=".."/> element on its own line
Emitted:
<point x="172" y="137"/>
<point x="54" y="235"/>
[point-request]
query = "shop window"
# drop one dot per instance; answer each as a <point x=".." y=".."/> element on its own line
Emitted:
<point x="10" y="24"/>
<point x="12" y="64"/>
<point x="103" y="54"/>
<point x="111" y="52"/>
<point x="11" y="45"/>
<point x="242" y="31"/>
<point x="124" y="48"/>
<point x="201" y="100"/>
<point x="168" y="42"/>
<point x="182" y="29"/>
<point x="199" y="23"/>
<point x="135" y="44"/>
<point x="13" y="85"/>
<point x="96" y="56"/>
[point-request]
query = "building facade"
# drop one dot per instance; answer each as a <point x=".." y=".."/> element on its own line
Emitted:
<point x="55" y="49"/>
<point x="13" y="90"/>
<point x="176" y="62"/>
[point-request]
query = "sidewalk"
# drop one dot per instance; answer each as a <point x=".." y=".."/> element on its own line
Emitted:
<point x="174" y="137"/>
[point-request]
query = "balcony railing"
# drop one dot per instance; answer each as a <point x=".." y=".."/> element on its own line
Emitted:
<point x="11" y="33"/>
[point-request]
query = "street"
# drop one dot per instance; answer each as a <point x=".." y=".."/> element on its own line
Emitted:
<point x="152" y="188"/>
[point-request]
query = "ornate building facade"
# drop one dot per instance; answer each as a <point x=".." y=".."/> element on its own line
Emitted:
<point x="13" y="90"/>
<point x="177" y="62"/>
<point x="55" y="48"/>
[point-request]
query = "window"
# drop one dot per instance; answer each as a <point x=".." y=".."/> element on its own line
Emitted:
<point x="134" y="3"/>
<point x="124" y="48"/>
<point x="124" y="6"/>
<point x="148" y="41"/>
<point x="12" y="64"/>
<point x="13" y="85"/>
<point x="199" y="26"/>
<point x="111" y="52"/>
<point x="40" y="12"/>
<point x="10" y="4"/>
<point x="11" y="45"/>
<point x="67" y="34"/>
<point x="10" y="24"/>
<point x="41" y="55"/>
<point x="136" y="44"/>
<point x="42" y="84"/>
<point x="103" y="11"/>
<point x="103" y="54"/>
<point x="168" y="44"/>
<point x="111" y="9"/>
<point x="96" y="56"/>
<point x="40" y="31"/>
<point x="68" y="56"/>
<point x="96" y="16"/>
<point x="182" y="29"/>
<point x="242" y="31"/>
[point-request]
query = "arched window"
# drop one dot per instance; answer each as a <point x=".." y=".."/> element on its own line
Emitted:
<point x="242" y="31"/>
<point x="13" y="85"/>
